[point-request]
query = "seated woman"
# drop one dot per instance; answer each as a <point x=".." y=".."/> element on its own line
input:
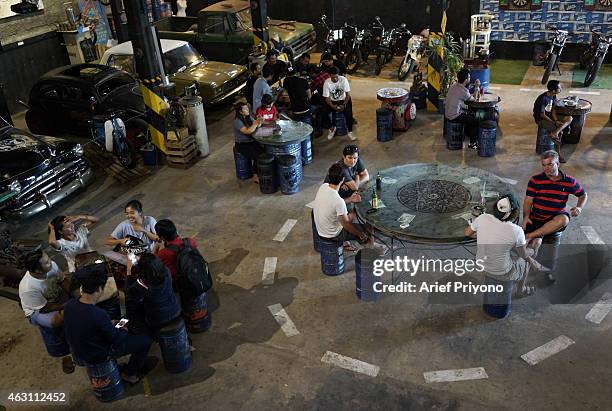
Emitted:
<point x="244" y="127"/>
<point x="149" y="298"/>
<point x="136" y="225"/>
<point x="70" y="241"/>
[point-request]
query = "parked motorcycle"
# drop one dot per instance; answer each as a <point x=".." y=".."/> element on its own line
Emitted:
<point x="594" y="56"/>
<point x="109" y="133"/>
<point x="554" y="53"/>
<point x="388" y="46"/>
<point x="333" y="40"/>
<point x="359" y="47"/>
<point x="411" y="59"/>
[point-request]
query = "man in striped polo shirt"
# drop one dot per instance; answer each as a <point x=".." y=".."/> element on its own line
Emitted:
<point x="544" y="209"/>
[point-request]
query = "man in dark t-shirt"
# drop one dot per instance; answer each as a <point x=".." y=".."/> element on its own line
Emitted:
<point x="545" y="115"/>
<point x="279" y="67"/>
<point x="299" y="95"/>
<point x="92" y="336"/>
<point x="353" y="169"/>
<point x="248" y="89"/>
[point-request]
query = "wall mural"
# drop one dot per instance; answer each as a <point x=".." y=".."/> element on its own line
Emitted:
<point x="579" y="16"/>
<point x="10" y="8"/>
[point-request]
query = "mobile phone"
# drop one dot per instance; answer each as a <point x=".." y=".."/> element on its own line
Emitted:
<point x="121" y="323"/>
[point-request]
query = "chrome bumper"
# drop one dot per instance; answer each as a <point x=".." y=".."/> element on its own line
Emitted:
<point x="54" y="197"/>
<point x="224" y="97"/>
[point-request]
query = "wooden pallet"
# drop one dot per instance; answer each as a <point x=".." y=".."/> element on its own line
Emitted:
<point x="106" y="161"/>
<point x="182" y="153"/>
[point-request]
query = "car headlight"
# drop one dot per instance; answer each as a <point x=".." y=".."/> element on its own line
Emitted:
<point x="78" y="150"/>
<point x="15" y="186"/>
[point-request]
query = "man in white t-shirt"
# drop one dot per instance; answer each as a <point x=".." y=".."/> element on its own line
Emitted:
<point x="42" y="278"/>
<point x="497" y="237"/>
<point x="337" y="94"/>
<point x="332" y="220"/>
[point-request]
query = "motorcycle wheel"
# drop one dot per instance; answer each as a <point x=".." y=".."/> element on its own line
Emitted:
<point x="405" y="69"/>
<point x="552" y="60"/>
<point x="125" y="152"/>
<point x="584" y="59"/>
<point x="380" y="62"/>
<point x="592" y="72"/>
<point x="353" y="61"/>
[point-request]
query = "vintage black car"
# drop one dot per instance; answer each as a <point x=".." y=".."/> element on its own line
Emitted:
<point x="65" y="99"/>
<point x="37" y="171"/>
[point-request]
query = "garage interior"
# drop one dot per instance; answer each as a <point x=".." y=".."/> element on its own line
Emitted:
<point x="327" y="348"/>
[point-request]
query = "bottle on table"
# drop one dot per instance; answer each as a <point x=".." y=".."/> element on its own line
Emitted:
<point x="378" y="181"/>
<point x="374" y="199"/>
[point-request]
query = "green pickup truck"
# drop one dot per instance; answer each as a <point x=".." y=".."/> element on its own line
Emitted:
<point x="223" y="32"/>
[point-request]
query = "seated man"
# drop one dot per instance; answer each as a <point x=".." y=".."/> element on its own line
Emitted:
<point x="497" y="237"/>
<point x="337" y="94"/>
<point x="353" y="170"/>
<point x="303" y="65"/>
<point x="92" y="336"/>
<point x="250" y="83"/>
<point x="318" y="102"/>
<point x="332" y="219"/>
<point x="328" y="63"/>
<point x="42" y="278"/>
<point x="545" y="115"/>
<point x="544" y="209"/>
<point x="454" y="107"/>
<point x="262" y="87"/>
<point x="279" y="68"/>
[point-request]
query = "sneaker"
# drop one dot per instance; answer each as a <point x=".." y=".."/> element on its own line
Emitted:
<point x="473" y="145"/>
<point x="351" y="136"/>
<point x="332" y="132"/>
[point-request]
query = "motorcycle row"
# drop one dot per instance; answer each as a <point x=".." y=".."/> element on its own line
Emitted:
<point x="591" y="59"/>
<point x="354" y="46"/>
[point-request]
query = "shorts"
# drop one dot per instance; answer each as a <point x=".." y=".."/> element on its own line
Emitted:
<point x="517" y="271"/>
<point x="537" y="224"/>
<point x="551" y="125"/>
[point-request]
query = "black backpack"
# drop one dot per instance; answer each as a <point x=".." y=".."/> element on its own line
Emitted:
<point x="192" y="274"/>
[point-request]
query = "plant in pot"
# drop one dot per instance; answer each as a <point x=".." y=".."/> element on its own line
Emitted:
<point x="445" y="54"/>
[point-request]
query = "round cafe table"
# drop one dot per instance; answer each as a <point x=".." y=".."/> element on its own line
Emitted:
<point x="484" y="107"/>
<point x="436" y="201"/>
<point x="397" y="100"/>
<point x="578" y="113"/>
<point x="285" y="138"/>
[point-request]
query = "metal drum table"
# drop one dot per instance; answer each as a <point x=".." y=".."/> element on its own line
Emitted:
<point x="285" y="139"/>
<point x="484" y="107"/>
<point x="397" y="100"/>
<point x="578" y="112"/>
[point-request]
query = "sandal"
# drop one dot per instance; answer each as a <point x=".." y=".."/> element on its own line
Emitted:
<point x="526" y="291"/>
<point x="130" y="379"/>
<point x="348" y="247"/>
<point x="68" y="365"/>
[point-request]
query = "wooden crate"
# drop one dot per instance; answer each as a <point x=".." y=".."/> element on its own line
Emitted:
<point x="182" y="153"/>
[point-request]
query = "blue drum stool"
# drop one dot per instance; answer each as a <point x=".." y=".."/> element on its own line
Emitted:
<point x="339" y="121"/>
<point x="498" y="305"/>
<point x="244" y="167"/>
<point x="288" y="174"/>
<point x="487" y="138"/>
<point x="332" y="256"/>
<point x="364" y="275"/>
<point x="544" y="142"/>
<point x="196" y="314"/>
<point x="453" y="133"/>
<point x="105" y="380"/>
<point x="55" y="341"/>
<point x="175" y="347"/>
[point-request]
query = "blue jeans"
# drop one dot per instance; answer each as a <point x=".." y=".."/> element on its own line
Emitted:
<point x="42" y="319"/>
<point x="304" y="117"/>
<point x="136" y="345"/>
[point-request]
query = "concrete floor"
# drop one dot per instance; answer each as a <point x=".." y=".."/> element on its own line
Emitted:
<point x="247" y="362"/>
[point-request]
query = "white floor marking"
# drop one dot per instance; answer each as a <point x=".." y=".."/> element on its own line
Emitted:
<point x="282" y="233"/>
<point x="600" y="309"/>
<point x="464" y="374"/>
<point x="351" y="364"/>
<point x="592" y="235"/>
<point x="547" y="350"/>
<point x="526" y="89"/>
<point x="310" y="205"/>
<point x="235" y="325"/>
<point x="509" y="180"/>
<point x="282" y="318"/>
<point x="590" y="93"/>
<point x="494" y="88"/>
<point x="269" y="269"/>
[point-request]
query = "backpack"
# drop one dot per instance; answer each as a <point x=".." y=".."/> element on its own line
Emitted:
<point x="192" y="274"/>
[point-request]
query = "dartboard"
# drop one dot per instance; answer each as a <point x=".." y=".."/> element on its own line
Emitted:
<point x="605" y="3"/>
<point x="520" y="3"/>
<point x="434" y="196"/>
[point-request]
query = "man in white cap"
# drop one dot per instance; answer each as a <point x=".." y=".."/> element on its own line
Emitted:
<point x="497" y="236"/>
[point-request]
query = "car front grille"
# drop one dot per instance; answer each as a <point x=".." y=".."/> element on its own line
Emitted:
<point x="51" y="181"/>
<point x="303" y="44"/>
<point x="235" y="83"/>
